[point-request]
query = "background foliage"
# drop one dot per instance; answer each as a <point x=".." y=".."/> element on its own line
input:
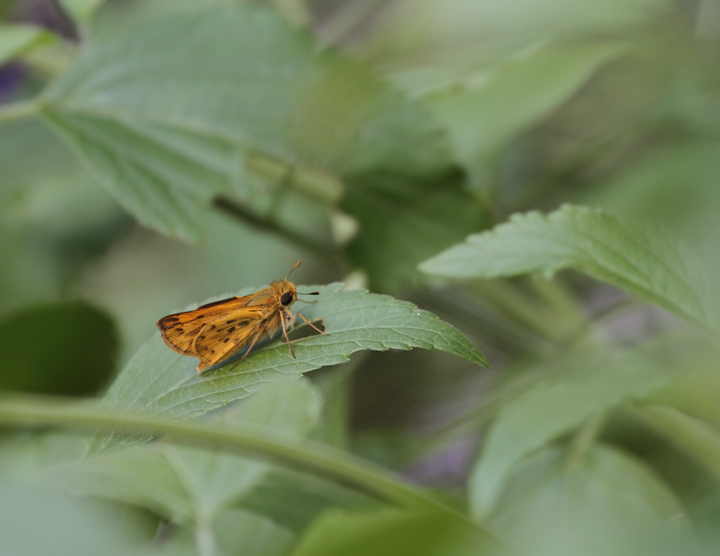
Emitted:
<point x="541" y="175"/>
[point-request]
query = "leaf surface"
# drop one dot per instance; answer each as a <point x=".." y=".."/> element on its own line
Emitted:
<point x="17" y="39"/>
<point x="634" y="256"/>
<point x="164" y="383"/>
<point x="582" y="385"/>
<point x="606" y="502"/>
<point x="234" y="78"/>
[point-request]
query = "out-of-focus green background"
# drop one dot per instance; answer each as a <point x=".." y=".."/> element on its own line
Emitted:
<point x="379" y="133"/>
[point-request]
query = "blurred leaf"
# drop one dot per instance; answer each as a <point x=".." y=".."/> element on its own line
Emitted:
<point x="482" y="117"/>
<point x="34" y="522"/>
<point x="391" y="533"/>
<point x="403" y="223"/>
<point x="201" y="78"/>
<point x="81" y="10"/>
<point x="449" y="36"/>
<point x="582" y="385"/>
<point x="214" y="480"/>
<point x="631" y="255"/>
<point x="160" y="176"/>
<point x="240" y="532"/>
<point x="605" y="503"/>
<point x="188" y="484"/>
<point x="674" y="186"/>
<point x="294" y="500"/>
<point x="64" y="348"/>
<point x="139" y="477"/>
<point x="18" y="39"/>
<point x="53" y="218"/>
<point x="166" y="383"/>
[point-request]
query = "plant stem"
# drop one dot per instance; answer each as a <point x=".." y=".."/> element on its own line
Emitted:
<point x="694" y="437"/>
<point x="19" y="111"/>
<point x="254" y="441"/>
<point x="585" y="437"/>
<point x="603" y="316"/>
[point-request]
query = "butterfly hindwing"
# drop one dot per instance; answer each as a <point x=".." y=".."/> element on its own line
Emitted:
<point x="224" y="336"/>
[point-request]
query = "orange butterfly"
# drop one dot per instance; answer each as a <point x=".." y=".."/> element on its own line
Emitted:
<point x="222" y="331"/>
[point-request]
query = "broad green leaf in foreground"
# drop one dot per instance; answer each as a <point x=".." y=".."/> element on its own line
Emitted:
<point x="16" y="39"/>
<point x="394" y="532"/>
<point x="196" y="88"/>
<point x="631" y="255"/>
<point x="69" y="525"/>
<point x="162" y="382"/>
<point x="582" y="385"/>
<point x="603" y="503"/>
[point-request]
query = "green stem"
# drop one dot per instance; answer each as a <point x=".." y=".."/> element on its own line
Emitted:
<point x="694" y="437"/>
<point x="585" y="437"/>
<point x="253" y="441"/>
<point x="19" y="111"/>
<point x="604" y="316"/>
<point x="516" y="304"/>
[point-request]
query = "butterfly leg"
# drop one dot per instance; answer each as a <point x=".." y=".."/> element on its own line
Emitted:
<point x="308" y="322"/>
<point x="282" y="321"/>
<point x="247" y="352"/>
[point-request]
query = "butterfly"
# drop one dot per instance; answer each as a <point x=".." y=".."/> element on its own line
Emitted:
<point x="223" y="331"/>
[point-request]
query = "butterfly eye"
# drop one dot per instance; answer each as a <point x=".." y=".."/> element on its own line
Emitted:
<point x="286" y="298"/>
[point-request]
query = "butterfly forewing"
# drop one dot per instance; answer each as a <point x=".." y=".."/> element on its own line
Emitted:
<point x="181" y="330"/>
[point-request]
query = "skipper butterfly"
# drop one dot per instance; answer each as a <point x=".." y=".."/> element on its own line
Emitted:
<point x="223" y="331"/>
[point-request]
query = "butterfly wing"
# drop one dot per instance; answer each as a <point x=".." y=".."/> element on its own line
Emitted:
<point x="226" y="336"/>
<point x="180" y="330"/>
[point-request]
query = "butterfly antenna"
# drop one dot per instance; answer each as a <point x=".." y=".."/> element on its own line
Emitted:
<point x="297" y="264"/>
<point x="308" y="293"/>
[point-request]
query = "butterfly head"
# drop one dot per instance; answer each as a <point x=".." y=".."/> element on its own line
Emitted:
<point x="286" y="292"/>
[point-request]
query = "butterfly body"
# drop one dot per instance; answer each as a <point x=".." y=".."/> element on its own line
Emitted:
<point x="222" y="331"/>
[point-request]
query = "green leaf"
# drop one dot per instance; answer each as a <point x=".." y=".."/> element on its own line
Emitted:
<point x="232" y="78"/>
<point x="254" y="535"/>
<point x="161" y="176"/>
<point x="189" y="484"/>
<point x="403" y="223"/>
<point x="583" y="384"/>
<point x="81" y="10"/>
<point x="294" y="500"/>
<point x="54" y="220"/>
<point x="392" y="533"/>
<point x="606" y="503"/>
<point x="75" y="355"/>
<point x="69" y="526"/>
<point x="165" y="383"/>
<point x="482" y="117"/>
<point x="634" y="256"/>
<point x="18" y="39"/>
